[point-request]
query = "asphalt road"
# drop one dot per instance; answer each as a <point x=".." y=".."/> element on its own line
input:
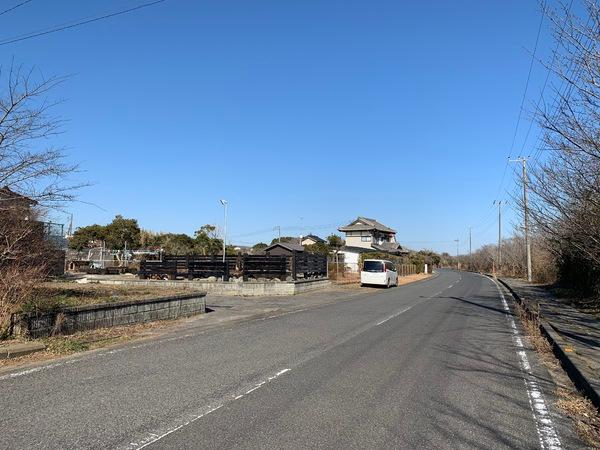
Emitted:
<point x="435" y="364"/>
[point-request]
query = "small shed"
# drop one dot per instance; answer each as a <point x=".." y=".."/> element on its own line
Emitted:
<point x="284" y="249"/>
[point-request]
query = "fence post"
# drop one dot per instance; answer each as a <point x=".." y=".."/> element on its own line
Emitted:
<point x="294" y="265"/>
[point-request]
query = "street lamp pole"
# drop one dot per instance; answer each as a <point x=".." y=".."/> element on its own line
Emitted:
<point x="224" y="203"/>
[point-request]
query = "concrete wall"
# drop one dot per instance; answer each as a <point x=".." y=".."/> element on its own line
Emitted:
<point x="71" y="320"/>
<point x="351" y="260"/>
<point x="228" y="288"/>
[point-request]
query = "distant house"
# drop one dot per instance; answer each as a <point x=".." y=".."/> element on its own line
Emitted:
<point x="368" y="235"/>
<point x="311" y="239"/>
<point x="284" y="248"/>
<point x="14" y="201"/>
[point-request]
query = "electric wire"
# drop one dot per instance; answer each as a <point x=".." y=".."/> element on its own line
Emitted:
<point x="14" y="7"/>
<point x="77" y="24"/>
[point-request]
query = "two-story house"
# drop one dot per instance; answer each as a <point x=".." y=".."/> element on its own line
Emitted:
<point x="367" y="235"/>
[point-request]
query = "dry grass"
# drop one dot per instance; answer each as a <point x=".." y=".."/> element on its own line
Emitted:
<point x="585" y="416"/>
<point x="538" y="341"/>
<point x="89" y="340"/>
<point x="355" y="279"/>
<point x="51" y="295"/>
<point x="412" y="278"/>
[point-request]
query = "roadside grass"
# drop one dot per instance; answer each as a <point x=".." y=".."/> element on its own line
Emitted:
<point x="56" y="294"/>
<point x="355" y="280"/>
<point x="65" y="345"/>
<point x="586" y="418"/>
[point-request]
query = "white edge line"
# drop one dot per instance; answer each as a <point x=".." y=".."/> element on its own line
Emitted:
<point x="543" y="421"/>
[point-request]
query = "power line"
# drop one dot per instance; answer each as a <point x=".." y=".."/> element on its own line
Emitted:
<point x="537" y="38"/>
<point x="575" y="73"/>
<point x="512" y="146"/>
<point x="78" y="24"/>
<point x="14" y="7"/>
<point x="546" y="80"/>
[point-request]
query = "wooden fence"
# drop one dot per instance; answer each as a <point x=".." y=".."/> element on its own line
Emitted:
<point x="297" y="267"/>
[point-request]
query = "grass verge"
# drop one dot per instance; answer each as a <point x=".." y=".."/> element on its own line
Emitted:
<point x="585" y="416"/>
<point x="57" y="346"/>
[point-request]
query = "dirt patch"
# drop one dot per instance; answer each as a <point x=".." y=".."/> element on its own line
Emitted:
<point x="585" y="416"/>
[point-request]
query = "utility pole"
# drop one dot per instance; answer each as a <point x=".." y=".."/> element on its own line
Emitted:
<point x="470" y="248"/>
<point x="499" y="203"/>
<point x="278" y="228"/>
<point x="523" y="162"/>
<point x="457" y="261"/>
<point x="470" y="241"/>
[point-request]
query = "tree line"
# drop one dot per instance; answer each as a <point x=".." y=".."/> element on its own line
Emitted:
<point x="563" y="182"/>
<point x="124" y="233"/>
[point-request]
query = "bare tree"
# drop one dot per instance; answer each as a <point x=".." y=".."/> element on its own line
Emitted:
<point x="27" y="165"/>
<point x="565" y="187"/>
<point x="33" y="175"/>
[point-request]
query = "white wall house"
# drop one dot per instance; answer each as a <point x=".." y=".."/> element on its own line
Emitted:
<point x="311" y="239"/>
<point x="367" y="235"/>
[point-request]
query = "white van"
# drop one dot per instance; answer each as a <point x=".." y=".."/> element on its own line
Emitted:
<point x="378" y="271"/>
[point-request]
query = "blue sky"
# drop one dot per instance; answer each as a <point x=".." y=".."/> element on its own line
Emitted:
<point x="302" y="114"/>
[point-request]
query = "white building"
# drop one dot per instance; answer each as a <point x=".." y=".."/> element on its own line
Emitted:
<point x="367" y="235"/>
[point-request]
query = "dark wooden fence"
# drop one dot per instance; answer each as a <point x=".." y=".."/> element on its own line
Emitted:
<point x="298" y="266"/>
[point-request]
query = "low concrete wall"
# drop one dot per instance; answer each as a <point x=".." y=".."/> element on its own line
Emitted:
<point x="227" y="288"/>
<point x="89" y="317"/>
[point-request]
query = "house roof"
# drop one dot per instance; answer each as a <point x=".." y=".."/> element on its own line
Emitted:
<point x="386" y="247"/>
<point x="389" y="247"/>
<point x="292" y="246"/>
<point x="350" y="249"/>
<point x="7" y="194"/>
<point x="366" y="224"/>
<point x="313" y="237"/>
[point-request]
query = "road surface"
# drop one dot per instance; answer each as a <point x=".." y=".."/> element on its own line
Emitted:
<point x="436" y="364"/>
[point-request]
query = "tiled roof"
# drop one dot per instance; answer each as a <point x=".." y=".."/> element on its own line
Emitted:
<point x="366" y="224"/>
<point x="292" y="246"/>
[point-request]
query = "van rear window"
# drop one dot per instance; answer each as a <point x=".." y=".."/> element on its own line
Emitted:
<point x="373" y="266"/>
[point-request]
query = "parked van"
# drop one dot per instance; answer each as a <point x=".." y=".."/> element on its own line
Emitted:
<point x="380" y="272"/>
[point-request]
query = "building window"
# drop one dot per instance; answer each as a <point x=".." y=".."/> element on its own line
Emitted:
<point x="365" y="238"/>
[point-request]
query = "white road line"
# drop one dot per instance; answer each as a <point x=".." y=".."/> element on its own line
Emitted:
<point x="543" y="422"/>
<point x="156" y="435"/>
<point x="394" y="315"/>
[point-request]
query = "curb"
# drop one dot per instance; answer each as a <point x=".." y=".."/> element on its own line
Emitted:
<point x="16" y="350"/>
<point x="577" y="377"/>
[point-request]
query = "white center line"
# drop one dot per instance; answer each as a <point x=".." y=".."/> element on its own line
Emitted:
<point x="546" y="432"/>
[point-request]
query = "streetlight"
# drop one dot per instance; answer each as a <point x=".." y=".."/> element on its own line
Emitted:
<point x="224" y="203"/>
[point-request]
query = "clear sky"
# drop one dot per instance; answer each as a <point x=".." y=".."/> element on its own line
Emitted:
<point x="303" y="114"/>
